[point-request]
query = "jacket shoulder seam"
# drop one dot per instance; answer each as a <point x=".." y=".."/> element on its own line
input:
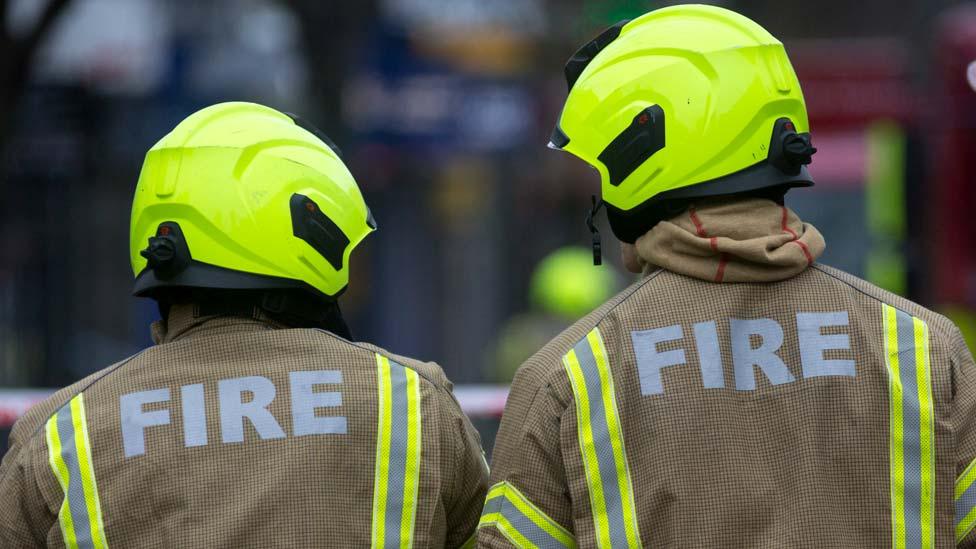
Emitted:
<point x="544" y="380"/>
<point x="820" y="268"/>
<point x="108" y="371"/>
<point x="626" y="297"/>
<point x="544" y="367"/>
<point x="374" y="352"/>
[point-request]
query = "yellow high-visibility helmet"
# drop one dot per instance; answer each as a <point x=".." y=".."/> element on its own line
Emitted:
<point x="683" y="102"/>
<point x="567" y="284"/>
<point x="240" y="196"/>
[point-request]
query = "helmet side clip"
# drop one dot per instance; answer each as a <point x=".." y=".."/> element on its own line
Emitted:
<point x="788" y="150"/>
<point x="167" y="253"/>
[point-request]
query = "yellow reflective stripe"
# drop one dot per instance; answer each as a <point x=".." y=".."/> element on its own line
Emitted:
<point x="398" y="451"/>
<point x="926" y="432"/>
<point x="965" y="526"/>
<point x="965" y="501"/>
<point x="70" y="458"/>
<point x="412" y="473"/>
<point x="896" y="434"/>
<point x="602" y="444"/>
<point x="513" y="506"/>
<point x="965" y="479"/>
<point x="90" y="486"/>
<point x="510" y="532"/>
<point x="471" y="542"/>
<point x="616" y="438"/>
<point x="60" y="470"/>
<point x="912" y="430"/>
<point x="382" y="450"/>
<point x="587" y="449"/>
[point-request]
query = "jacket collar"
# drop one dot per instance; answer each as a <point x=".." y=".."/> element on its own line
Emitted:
<point x="184" y="322"/>
<point x="732" y="240"/>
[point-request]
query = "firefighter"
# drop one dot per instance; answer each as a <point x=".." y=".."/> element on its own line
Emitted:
<point x="741" y="394"/>
<point x="255" y="420"/>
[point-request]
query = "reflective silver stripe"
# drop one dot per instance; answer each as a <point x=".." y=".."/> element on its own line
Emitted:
<point x="398" y="455"/>
<point x="75" y="494"/>
<point x="396" y="479"/>
<point x="965" y="504"/>
<point x="964" y="493"/>
<point x="525" y="526"/>
<point x="602" y="444"/>
<point x="910" y="430"/>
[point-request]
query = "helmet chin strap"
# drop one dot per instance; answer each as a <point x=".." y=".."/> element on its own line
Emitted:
<point x="597" y="246"/>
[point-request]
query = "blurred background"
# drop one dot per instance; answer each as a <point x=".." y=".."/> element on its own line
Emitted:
<point x="443" y="109"/>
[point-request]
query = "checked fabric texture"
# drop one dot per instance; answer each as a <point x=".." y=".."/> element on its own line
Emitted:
<point x="741" y="395"/>
<point x="235" y="433"/>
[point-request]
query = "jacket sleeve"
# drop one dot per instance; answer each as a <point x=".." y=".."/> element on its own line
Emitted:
<point x="24" y="517"/>
<point x="528" y="501"/>
<point x="470" y="479"/>
<point x="964" y="426"/>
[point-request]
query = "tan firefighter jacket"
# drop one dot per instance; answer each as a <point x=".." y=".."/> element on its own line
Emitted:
<point x="232" y="433"/>
<point x="740" y="395"/>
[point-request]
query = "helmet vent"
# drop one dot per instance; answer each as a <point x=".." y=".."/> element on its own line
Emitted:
<point x="320" y="232"/>
<point x="638" y="142"/>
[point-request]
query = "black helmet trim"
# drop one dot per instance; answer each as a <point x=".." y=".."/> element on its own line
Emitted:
<point x="574" y="68"/>
<point x="370" y="220"/>
<point x="578" y="62"/>
<point x="558" y="139"/>
<point x="312" y="129"/>
<point x="635" y="144"/>
<point x="170" y="265"/>
<point x="203" y="275"/>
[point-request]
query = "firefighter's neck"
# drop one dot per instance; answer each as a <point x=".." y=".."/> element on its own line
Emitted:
<point x="187" y="320"/>
<point x="732" y="240"/>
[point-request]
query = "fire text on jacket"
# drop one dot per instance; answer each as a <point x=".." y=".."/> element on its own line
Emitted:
<point x="234" y="410"/>
<point x="754" y="344"/>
